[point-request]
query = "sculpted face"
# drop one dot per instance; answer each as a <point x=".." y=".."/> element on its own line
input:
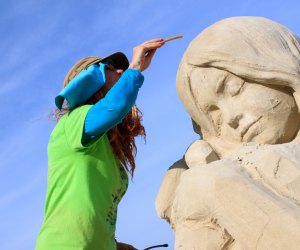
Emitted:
<point x="241" y="111"/>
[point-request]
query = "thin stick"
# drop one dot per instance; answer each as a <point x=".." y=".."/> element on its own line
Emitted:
<point x="172" y="38"/>
<point x="168" y="40"/>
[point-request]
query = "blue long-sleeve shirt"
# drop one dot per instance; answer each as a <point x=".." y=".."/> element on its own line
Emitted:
<point x="111" y="110"/>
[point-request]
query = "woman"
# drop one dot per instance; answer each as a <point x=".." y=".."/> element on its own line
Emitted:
<point x="91" y="149"/>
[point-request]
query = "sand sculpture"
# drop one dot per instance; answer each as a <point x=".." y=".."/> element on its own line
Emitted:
<point x="239" y="186"/>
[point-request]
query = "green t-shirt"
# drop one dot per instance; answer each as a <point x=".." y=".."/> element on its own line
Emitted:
<point x="85" y="185"/>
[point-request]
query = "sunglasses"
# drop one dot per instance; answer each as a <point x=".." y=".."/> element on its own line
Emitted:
<point x="110" y="63"/>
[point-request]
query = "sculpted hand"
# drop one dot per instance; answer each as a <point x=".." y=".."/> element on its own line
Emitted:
<point x="123" y="246"/>
<point x="142" y="54"/>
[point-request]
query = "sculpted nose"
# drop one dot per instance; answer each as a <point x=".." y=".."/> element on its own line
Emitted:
<point x="234" y="121"/>
<point x="232" y="113"/>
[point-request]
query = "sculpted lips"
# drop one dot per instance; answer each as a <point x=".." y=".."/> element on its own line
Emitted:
<point x="247" y="128"/>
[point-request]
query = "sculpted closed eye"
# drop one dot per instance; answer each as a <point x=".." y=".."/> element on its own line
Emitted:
<point x="234" y="87"/>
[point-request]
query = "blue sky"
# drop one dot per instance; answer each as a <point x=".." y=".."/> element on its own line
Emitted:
<point x="40" y="41"/>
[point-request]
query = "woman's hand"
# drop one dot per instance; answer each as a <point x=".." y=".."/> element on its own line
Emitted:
<point x="123" y="246"/>
<point x="142" y="54"/>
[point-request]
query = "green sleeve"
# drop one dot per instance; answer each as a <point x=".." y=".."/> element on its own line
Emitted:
<point x="74" y="127"/>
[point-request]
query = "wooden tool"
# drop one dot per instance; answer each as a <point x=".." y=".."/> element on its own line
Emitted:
<point x="173" y="38"/>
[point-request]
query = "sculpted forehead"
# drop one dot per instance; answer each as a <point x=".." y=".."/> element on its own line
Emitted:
<point x="206" y="79"/>
<point x="208" y="84"/>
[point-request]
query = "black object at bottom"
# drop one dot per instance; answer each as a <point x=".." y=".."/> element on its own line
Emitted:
<point x="164" y="245"/>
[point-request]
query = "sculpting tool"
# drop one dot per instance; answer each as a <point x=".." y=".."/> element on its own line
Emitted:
<point x="173" y="38"/>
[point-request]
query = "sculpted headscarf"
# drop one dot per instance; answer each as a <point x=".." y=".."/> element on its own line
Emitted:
<point x="254" y="48"/>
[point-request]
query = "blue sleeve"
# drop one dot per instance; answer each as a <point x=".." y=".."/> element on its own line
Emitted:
<point x="111" y="110"/>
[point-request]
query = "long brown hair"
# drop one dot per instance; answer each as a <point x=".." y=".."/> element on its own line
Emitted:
<point x="121" y="137"/>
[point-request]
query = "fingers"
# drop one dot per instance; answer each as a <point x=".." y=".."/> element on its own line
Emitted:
<point x="156" y="44"/>
<point x="152" y="44"/>
<point x="142" y="54"/>
<point x="155" y="40"/>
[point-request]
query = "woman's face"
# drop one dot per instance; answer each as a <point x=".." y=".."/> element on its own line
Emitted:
<point x="241" y="111"/>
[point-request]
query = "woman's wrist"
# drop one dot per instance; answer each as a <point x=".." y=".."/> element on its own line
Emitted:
<point x="135" y="67"/>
